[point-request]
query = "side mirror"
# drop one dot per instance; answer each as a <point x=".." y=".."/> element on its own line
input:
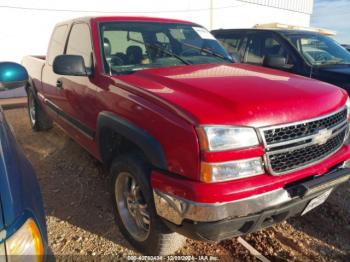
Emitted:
<point x="12" y="75"/>
<point x="72" y="65"/>
<point x="277" y="62"/>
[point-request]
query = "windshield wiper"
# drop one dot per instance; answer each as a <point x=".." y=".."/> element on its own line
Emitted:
<point x="208" y="51"/>
<point x="127" y="71"/>
<point x="158" y="48"/>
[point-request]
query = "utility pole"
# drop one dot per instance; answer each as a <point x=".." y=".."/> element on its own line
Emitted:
<point x="211" y="15"/>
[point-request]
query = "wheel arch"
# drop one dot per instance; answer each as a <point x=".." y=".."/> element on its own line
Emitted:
<point x="30" y="86"/>
<point x="116" y="135"/>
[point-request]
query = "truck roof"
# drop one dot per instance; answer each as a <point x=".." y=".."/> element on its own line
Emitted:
<point x="281" y="31"/>
<point x="124" y="18"/>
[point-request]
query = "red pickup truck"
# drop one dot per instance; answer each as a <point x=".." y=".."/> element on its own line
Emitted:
<point x="197" y="146"/>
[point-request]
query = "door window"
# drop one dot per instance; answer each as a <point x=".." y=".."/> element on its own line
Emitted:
<point x="254" y="53"/>
<point x="79" y="43"/>
<point x="233" y="43"/>
<point x="273" y="48"/>
<point x="261" y="46"/>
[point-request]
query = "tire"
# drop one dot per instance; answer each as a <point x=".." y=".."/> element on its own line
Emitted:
<point x="39" y="120"/>
<point x="158" y="239"/>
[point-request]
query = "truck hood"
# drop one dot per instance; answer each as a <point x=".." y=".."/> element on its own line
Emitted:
<point x="236" y="94"/>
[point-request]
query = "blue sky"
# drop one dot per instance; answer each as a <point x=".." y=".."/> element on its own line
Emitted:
<point x="334" y="15"/>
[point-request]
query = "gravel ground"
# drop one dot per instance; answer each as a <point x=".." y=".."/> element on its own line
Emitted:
<point x="80" y="220"/>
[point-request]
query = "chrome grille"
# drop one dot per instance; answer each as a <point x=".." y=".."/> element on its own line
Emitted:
<point x="286" y="133"/>
<point x="294" y="146"/>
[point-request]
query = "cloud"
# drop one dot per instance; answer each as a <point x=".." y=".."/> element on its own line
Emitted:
<point x="334" y="15"/>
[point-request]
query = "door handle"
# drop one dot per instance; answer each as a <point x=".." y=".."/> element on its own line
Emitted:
<point x="59" y="84"/>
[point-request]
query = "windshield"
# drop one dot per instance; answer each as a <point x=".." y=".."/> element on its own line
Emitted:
<point x="132" y="46"/>
<point x="319" y="49"/>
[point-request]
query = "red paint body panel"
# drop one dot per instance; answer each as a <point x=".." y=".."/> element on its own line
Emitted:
<point x="168" y="103"/>
<point x="181" y="151"/>
<point x="231" y="155"/>
<point x="239" y="94"/>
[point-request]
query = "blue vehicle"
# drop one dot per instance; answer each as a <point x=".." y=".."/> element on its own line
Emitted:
<point x="305" y="53"/>
<point x="23" y="235"/>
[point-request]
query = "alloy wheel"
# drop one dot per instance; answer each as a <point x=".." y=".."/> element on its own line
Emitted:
<point x="132" y="206"/>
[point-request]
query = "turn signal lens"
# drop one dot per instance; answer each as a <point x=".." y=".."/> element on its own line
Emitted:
<point x="218" y="172"/>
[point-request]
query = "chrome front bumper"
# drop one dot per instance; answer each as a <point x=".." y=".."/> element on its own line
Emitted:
<point x="176" y="209"/>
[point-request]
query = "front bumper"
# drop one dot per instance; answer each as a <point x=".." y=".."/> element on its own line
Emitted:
<point x="221" y="220"/>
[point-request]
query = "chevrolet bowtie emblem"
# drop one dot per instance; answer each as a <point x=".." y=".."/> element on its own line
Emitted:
<point x="322" y="137"/>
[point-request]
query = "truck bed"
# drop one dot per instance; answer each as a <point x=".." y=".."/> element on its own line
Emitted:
<point x="34" y="65"/>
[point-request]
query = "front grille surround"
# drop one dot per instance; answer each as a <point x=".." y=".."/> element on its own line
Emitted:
<point x="336" y="122"/>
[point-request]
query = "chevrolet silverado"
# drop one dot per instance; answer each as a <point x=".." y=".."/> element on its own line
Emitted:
<point x="197" y="146"/>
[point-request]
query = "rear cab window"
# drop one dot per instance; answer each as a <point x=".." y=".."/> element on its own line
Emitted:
<point x="57" y="43"/>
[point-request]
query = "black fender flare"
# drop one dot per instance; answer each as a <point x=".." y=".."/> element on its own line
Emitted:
<point x="150" y="146"/>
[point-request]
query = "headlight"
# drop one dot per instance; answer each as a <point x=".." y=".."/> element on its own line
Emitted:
<point x="216" y="172"/>
<point x="220" y="138"/>
<point x="25" y="242"/>
<point x="348" y="106"/>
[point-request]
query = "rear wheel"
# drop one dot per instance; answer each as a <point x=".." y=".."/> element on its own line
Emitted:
<point x="38" y="118"/>
<point x="135" y="212"/>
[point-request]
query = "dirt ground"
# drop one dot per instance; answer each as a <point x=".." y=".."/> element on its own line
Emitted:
<point x="80" y="220"/>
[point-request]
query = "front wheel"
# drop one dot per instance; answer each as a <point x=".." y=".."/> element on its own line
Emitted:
<point x="135" y="211"/>
<point x="38" y="118"/>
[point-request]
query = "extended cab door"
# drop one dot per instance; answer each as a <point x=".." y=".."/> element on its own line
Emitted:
<point x="71" y="98"/>
<point x="49" y="79"/>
